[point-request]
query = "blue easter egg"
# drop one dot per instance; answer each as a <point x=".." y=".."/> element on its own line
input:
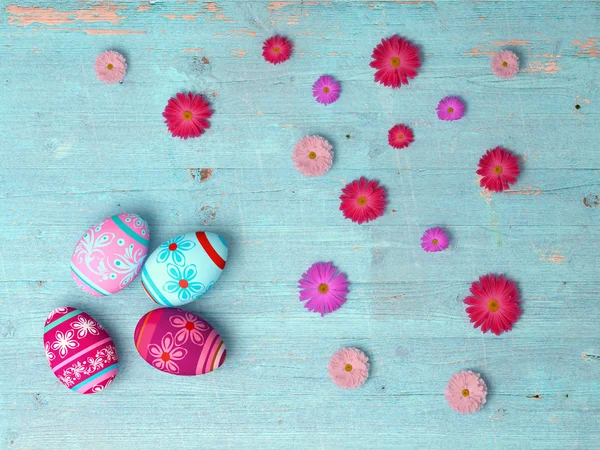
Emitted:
<point x="184" y="268"/>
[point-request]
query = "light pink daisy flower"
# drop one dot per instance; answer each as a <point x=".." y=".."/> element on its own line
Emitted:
<point x="349" y="368"/>
<point x="434" y="240"/>
<point x="505" y="64"/>
<point x="326" y="90"/>
<point x="466" y="392"/>
<point x="324" y="287"/>
<point x="110" y="67"/>
<point x="450" y="108"/>
<point x="312" y="156"/>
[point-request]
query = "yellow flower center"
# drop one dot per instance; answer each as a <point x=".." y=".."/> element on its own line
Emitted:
<point x="465" y="392"/>
<point x="493" y="305"/>
<point x="362" y="201"/>
<point x="504" y="63"/>
<point x="395" y="62"/>
<point x="498" y="170"/>
<point x="312" y="155"/>
<point x="187" y="115"/>
<point x="326" y="90"/>
<point x="323" y="288"/>
<point x="450" y="110"/>
<point x="110" y="67"/>
<point x="348" y="367"/>
<point x="400" y="137"/>
<point x="276" y="50"/>
<point x="435" y="242"/>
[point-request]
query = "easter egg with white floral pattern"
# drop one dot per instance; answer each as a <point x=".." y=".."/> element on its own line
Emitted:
<point x="80" y="352"/>
<point x="179" y="342"/>
<point x="110" y="255"/>
<point x="184" y="268"/>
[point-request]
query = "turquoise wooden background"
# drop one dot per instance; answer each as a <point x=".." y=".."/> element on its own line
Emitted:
<point x="74" y="151"/>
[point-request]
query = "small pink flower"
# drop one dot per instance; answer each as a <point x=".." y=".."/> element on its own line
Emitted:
<point x="466" y="392"/>
<point x="349" y="368"/>
<point x="110" y="67"/>
<point x="434" y="240"/>
<point x="450" y="108"/>
<point x="324" y="287"/>
<point x="505" y="64"/>
<point x="312" y="156"/>
<point x="326" y="90"/>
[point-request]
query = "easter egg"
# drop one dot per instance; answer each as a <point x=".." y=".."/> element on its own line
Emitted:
<point x="110" y="255"/>
<point x="80" y="352"/>
<point x="179" y="342"/>
<point x="184" y="268"/>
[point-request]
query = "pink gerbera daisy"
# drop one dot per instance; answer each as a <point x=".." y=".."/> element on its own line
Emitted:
<point x="312" y="156"/>
<point x="324" y="287"/>
<point x="110" y="67"/>
<point x="186" y="115"/>
<point x="349" y="368"/>
<point x="499" y="169"/>
<point x="434" y="240"/>
<point x="326" y="90"/>
<point x="494" y="304"/>
<point x="466" y="392"/>
<point x="400" y="136"/>
<point x="363" y="200"/>
<point x="396" y="60"/>
<point x="505" y="64"/>
<point x="277" y="49"/>
<point x="450" y="108"/>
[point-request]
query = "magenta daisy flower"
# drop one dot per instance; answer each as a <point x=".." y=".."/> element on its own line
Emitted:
<point x="326" y="90"/>
<point x="324" y="287"/>
<point x="450" y="108"/>
<point x="434" y="240"/>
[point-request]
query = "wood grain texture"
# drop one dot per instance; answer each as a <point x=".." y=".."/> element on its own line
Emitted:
<point x="74" y="151"/>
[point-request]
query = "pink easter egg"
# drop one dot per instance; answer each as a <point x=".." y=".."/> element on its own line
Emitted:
<point x="110" y="255"/>
<point x="179" y="342"/>
<point x="80" y="352"/>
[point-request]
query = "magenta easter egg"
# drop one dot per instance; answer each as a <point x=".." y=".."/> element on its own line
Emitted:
<point x="179" y="342"/>
<point x="80" y="352"/>
<point x="110" y="255"/>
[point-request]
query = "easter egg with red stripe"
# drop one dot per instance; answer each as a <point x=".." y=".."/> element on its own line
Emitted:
<point x="80" y="352"/>
<point x="184" y="268"/>
<point x="179" y="342"/>
<point x="110" y="255"/>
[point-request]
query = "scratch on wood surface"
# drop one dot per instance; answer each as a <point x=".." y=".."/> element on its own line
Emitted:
<point x="591" y="200"/>
<point x="192" y="50"/>
<point x="512" y="42"/>
<point x="590" y="357"/>
<point x="144" y="7"/>
<point x="415" y="2"/>
<point x="237" y="53"/>
<point x="475" y="51"/>
<point x="26" y="15"/>
<point x="527" y="190"/>
<point x="589" y="47"/>
<point x="92" y="31"/>
<point x="242" y="32"/>
<point x="202" y="175"/>
<point x="554" y="256"/>
<point x="538" y="66"/>
<point x="278" y="5"/>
